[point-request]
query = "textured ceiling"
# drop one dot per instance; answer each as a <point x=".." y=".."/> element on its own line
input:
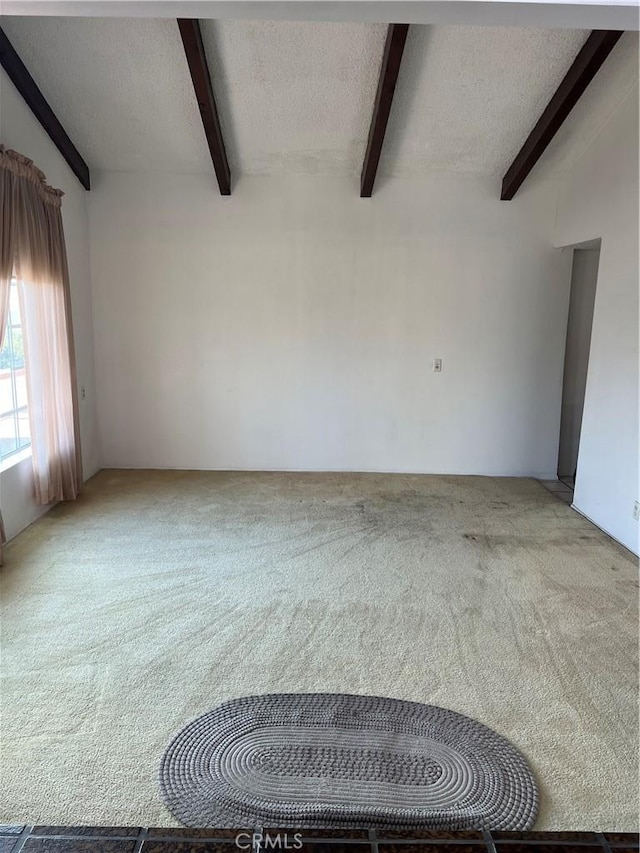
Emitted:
<point x="121" y="89"/>
<point x="467" y="97"/>
<point x="295" y="97"/>
<point x="617" y="78"/>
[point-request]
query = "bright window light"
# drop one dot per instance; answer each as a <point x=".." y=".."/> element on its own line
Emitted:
<point x="14" y="413"/>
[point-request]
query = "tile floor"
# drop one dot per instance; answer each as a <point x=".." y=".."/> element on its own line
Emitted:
<point x="91" y="839"/>
<point x="560" y="489"/>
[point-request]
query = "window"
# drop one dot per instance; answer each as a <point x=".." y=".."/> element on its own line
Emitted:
<point x="14" y="415"/>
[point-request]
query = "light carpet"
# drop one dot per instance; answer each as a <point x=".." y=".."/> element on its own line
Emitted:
<point x="159" y="595"/>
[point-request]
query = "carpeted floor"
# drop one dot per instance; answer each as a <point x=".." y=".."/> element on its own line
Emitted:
<point x="160" y="594"/>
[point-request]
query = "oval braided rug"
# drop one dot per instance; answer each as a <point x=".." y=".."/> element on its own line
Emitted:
<point x="333" y="760"/>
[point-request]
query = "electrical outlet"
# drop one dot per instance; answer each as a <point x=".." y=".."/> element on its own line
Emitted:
<point x="437" y="365"/>
<point x="83" y="393"/>
<point x="636" y="510"/>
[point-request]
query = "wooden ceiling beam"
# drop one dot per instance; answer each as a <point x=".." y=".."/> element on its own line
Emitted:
<point x="37" y="103"/>
<point x="197" y="61"/>
<point x="391" y="59"/>
<point x="585" y="66"/>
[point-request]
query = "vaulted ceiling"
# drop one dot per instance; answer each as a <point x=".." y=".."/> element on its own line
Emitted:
<point x="294" y="97"/>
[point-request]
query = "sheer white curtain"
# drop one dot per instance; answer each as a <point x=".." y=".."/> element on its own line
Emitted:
<point x="6" y="270"/>
<point x="32" y="244"/>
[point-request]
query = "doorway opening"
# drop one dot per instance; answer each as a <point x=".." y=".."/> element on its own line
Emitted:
<point x="584" y="275"/>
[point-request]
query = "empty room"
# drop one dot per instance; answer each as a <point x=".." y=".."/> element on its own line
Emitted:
<point x="319" y="427"/>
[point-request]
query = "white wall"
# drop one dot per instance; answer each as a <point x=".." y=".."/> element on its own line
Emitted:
<point x="21" y="131"/>
<point x="599" y="198"/>
<point x="293" y="325"/>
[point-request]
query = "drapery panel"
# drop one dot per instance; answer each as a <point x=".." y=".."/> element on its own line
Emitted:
<point x="32" y="246"/>
<point x="6" y="268"/>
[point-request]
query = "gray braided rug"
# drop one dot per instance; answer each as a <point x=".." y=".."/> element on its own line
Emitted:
<point x="333" y="760"/>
